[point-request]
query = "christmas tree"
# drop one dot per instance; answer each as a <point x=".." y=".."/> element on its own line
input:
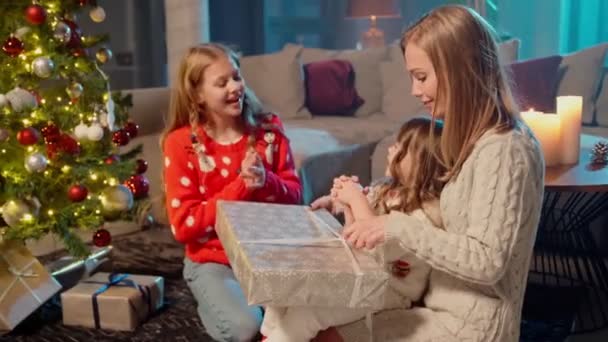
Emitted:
<point x="62" y="130"/>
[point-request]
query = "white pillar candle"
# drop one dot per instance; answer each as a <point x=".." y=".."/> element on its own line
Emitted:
<point x="570" y="111"/>
<point x="547" y="129"/>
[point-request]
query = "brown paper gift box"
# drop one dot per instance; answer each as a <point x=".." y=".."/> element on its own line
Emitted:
<point x="123" y="305"/>
<point x="258" y="239"/>
<point x="24" y="284"/>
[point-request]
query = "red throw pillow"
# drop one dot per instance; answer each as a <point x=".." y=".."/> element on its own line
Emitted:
<point x="535" y="82"/>
<point x="330" y="88"/>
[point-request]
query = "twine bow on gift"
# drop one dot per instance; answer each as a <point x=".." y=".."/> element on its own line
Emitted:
<point x="336" y="238"/>
<point x="115" y="279"/>
<point x="25" y="272"/>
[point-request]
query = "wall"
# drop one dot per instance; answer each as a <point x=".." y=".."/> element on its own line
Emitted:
<point x="187" y="23"/>
<point x="137" y="41"/>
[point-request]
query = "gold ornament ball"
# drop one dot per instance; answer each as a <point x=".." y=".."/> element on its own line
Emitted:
<point x="97" y="14"/>
<point x="74" y="90"/>
<point x="15" y="210"/>
<point x="115" y="200"/>
<point x="103" y="55"/>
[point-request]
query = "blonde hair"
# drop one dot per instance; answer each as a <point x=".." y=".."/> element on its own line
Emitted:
<point x="424" y="181"/>
<point x="472" y="85"/>
<point x="184" y="108"/>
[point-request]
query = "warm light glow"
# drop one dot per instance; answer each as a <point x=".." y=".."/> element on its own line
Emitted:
<point x="50" y="212"/>
<point x="59" y="99"/>
<point x="28" y="218"/>
<point x="38" y="51"/>
<point x="43" y="101"/>
<point x="27" y="122"/>
<point x="46" y="173"/>
<point x="97" y="211"/>
<point x="94" y="176"/>
<point x="66" y="169"/>
<point x="30" y="148"/>
<point x="113" y="181"/>
<point x="76" y="214"/>
<point x="3" y="151"/>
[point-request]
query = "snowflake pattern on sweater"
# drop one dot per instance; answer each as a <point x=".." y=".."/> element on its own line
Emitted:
<point x="193" y="188"/>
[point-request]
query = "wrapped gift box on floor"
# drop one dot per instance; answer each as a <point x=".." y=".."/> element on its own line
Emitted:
<point x="112" y="301"/>
<point x="24" y="284"/>
<point x="288" y="255"/>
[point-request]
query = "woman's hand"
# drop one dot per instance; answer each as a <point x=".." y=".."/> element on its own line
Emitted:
<point x="253" y="171"/>
<point x="367" y="232"/>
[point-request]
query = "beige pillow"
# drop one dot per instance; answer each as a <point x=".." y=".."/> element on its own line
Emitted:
<point x="277" y="80"/>
<point x="368" y="81"/>
<point x="509" y="51"/>
<point x="601" y="105"/>
<point x="582" y="74"/>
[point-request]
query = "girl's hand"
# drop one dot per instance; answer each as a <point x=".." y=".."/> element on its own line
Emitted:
<point x="253" y="171"/>
<point x="347" y="192"/>
<point x="366" y="233"/>
<point x="328" y="203"/>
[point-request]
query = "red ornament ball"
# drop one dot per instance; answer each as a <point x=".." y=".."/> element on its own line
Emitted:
<point x="78" y="193"/>
<point x="139" y="185"/>
<point x="13" y="46"/>
<point x="75" y="38"/>
<point x="82" y="3"/>
<point x="132" y="128"/>
<point x="102" y="238"/>
<point x="120" y="137"/>
<point x="68" y="144"/>
<point x="51" y="133"/>
<point x="80" y="52"/>
<point x="141" y="166"/>
<point x="28" y="136"/>
<point x="111" y="159"/>
<point x="35" y="14"/>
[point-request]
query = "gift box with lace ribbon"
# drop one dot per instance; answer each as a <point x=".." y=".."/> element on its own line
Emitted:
<point x="112" y="301"/>
<point x="24" y="284"/>
<point x="289" y="255"/>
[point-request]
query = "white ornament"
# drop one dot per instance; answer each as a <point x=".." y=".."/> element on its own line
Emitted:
<point x="97" y="14"/>
<point x="111" y="119"/>
<point x="81" y="131"/>
<point x="21" y="32"/>
<point x="3" y="101"/>
<point x="95" y="132"/>
<point x="62" y="32"/>
<point x="36" y="162"/>
<point x="21" y="99"/>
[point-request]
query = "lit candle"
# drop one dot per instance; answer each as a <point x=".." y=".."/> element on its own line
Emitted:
<point x="547" y="129"/>
<point x="570" y="111"/>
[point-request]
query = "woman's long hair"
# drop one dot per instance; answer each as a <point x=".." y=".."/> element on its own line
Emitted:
<point x="472" y="84"/>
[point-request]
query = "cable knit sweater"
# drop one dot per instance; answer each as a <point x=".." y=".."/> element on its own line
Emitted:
<point x="480" y="261"/>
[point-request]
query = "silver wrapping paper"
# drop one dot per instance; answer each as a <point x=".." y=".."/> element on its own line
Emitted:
<point x="309" y="274"/>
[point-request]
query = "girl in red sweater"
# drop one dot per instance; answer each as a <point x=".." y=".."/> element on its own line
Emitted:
<point x="220" y="145"/>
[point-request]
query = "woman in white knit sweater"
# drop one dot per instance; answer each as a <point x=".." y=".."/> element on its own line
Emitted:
<point x="490" y="206"/>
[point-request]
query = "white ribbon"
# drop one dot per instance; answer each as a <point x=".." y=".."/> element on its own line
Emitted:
<point x="25" y="272"/>
<point x="337" y="239"/>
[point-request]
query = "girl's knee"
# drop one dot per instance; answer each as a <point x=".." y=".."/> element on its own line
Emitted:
<point x="238" y="328"/>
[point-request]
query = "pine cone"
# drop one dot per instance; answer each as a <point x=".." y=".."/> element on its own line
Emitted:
<point x="599" y="153"/>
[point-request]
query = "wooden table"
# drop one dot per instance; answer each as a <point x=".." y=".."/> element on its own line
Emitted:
<point x="565" y="253"/>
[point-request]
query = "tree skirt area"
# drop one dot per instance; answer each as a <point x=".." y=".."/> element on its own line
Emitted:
<point x="153" y="252"/>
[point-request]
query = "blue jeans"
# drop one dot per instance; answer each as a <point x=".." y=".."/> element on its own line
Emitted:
<point x="222" y="306"/>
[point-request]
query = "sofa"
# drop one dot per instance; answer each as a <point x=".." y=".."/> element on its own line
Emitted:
<point x="331" y="144"/>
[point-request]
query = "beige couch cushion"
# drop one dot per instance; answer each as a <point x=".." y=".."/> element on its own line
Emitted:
<point x="150" y="107"/>
<point x="601" y="105"/>
<point x="277" y="80"/>
<point x="582" y="72"/>
<point x="509" y="50"/>
<point x="348" y="130"/>
<point x="367" y="76"/>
